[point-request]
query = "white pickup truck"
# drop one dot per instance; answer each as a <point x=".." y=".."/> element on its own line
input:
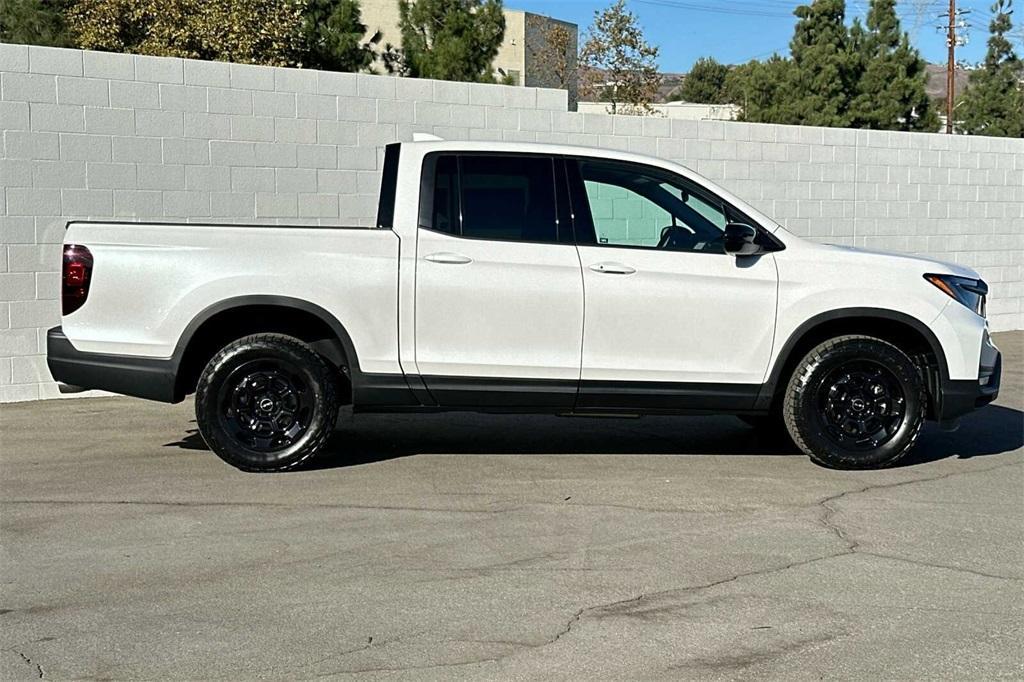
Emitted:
<point x="507" y="277"/>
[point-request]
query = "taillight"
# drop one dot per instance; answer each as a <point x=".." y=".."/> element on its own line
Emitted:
<point x="77" y="273"/>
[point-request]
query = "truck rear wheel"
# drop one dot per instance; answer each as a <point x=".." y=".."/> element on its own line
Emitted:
<point x="266" y="402"/>
<point x="855" y="402"/>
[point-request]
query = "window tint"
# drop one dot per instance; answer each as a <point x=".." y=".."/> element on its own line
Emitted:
<point x="633" y="207"/>
<point x="506" y="198"/>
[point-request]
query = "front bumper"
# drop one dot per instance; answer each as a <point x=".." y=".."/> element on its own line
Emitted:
<point x="149" y="378"/>
<point x="958" y="397"/>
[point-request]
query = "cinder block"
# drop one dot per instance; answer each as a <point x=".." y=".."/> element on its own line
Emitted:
<point x="276" y="205"/>
<point x="567" y="122"/>
<point x="433" y="113"/>
<point x="180" y="204"/>
<point x="336" y="132"/>
<point x="252" y="128"/>
<point x="251" y="77"/>
<point x="152" y="123"/>
<point x="104" y="121"/>
<point x="136" y="149"/>
<point x="138" y="203"/>
<point x="112" y="65"/>
<point x="58" y="174"/>
<point x="367" y="182"/>
<point x="395" y="111"/>
<point x="535" y="120"/>
<point x="276" y="154"/>
<point x="29" y="87"/>
<point x="419" y="90"/>
<point x="295" y="80"/>
<point x="159" y="69"/>
<point x="87" y="203"/>
<point x="13" y="57"/>
<point x="91" y="91"/>
<point x="654" y="126"/>
<point x="316" y="106"/>
<point x="14" y="116"/>
<point x="186" y="151"/>
<point x="235" y="205"/>
<point x="183" y="97"/>
<point x="229" y="101"/>
<point x="18" y="342"/>
<point x="253" y="180"/>
<point x="232" y="153"/>
<point x="335" y="83"/>
<point x="300" y="130"/>
<point x="132" y="95"/>
<point x="598" y="124"/>
<point x="357" y="109"/>
<point x="336" y="181"/>
<point x="21" y="144"/>
<point x="375" y="135"/>
<point x="83" y="147"/>
<point x="451" y="92"/>
<point x="318" y="205"/>
<point x="32" y="258"/>
<point x="161" y="176"/>
<point x="19" y="393"/>
<point x="208" y="178"/>
<point x="296" y="180"/>
<point x="316" y="156"/>
<point x="16" y="230"/>
<point x="17" y="286"/>
<point x="377" y="87"/>
<point x="520" y="98"/>
<point x="469" y="116"/>
<point x="54" y="60"/>
<point x="276" y="104"/>
<point x="201" y="72"/>
<point x="31" y="201"/>
<point x="112" y="175"/>
<point x="207" y="126"/>
<point x="32" y="315"/>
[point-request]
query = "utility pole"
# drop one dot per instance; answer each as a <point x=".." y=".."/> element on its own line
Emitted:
<point x="953" y="41"/>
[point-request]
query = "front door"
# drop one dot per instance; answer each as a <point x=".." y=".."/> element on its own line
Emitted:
<point x="672" y="321"/>
<point x="499" y="293"/>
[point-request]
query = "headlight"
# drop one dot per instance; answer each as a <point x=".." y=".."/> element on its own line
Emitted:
<point x="969" y="292"/>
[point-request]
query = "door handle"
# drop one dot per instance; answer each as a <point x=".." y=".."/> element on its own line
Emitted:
<point x="448" y="258"/>
<point x="612" y="268"/>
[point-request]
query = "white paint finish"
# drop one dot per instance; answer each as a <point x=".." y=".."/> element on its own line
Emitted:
<point x="497" y="309"/>
<point x="352" y="273"/>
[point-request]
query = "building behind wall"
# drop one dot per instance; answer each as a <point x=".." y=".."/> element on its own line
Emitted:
<point x="524" y="57"/>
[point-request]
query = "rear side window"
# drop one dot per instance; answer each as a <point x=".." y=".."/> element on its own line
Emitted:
<point x="499" y="198"/>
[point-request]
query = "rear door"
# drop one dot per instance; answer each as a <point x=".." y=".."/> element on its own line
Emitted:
<point x="499" y="289"/>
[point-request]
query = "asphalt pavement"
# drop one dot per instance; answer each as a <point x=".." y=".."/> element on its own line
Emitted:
<point x="463" y="546"/>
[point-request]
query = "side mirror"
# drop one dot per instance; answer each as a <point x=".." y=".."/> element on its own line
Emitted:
<point x="739" y="240"/>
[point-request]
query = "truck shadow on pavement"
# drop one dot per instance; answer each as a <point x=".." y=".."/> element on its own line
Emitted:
<point x="369" y="438"/>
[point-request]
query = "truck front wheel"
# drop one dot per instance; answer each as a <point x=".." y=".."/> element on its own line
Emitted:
<point x="855" y="402"/>
<point x="266" y="402"/>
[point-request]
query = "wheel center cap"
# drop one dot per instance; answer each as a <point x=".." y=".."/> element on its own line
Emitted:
<point x="265" y="405"/>
<point x="858" y="404"/>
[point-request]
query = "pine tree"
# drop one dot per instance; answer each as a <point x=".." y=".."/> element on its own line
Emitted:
<point x="705" y="83"/>
<point x="334" y="36"/>
<point x="824" y="71"/>
<point x="891" y="87"/>
<point x="994" y="101"/>
<point x="453" y="40"/>
<point x="36" y="22"/>
<point x="617" y="64"/>
<point x="761" y="89"/>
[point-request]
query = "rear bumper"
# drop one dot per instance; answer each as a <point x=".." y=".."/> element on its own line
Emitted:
<point x="149" y="378"/>
<point x="962" y="396"/>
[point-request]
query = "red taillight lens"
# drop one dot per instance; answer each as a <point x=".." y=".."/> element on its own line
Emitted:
<point x="75" y="278"/>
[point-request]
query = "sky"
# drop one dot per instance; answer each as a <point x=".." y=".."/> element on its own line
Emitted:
<point x="736" y="31"/>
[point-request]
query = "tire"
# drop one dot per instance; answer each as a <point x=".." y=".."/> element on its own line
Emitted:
<point x="855" y="402"/>
<point x="266" y="402"/>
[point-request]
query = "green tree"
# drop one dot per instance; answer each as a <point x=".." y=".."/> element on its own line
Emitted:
<point x="994" y="101"/>
<point x="891" y="85"/>
<point x="761" y="90"/>
<point x="35" y="22"/>
<point x="618" y="65"/>
<point x="825" y="73"/>
<point x="246" y="31"/>
<point x="454" y="40"/>
<point x="705" y="83"/>
<point x="334" y="36"/>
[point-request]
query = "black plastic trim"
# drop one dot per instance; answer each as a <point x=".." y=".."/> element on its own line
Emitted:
<point x="667" y="397"/>
<point x="149" y="378"/>
<point x="388" y="186"/>
<point x="487" y="392"/>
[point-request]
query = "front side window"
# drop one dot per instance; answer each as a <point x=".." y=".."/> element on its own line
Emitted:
<point x="501" y="198"/>
<point x="632" y="207"/>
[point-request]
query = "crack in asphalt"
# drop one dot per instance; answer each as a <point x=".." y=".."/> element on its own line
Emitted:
<point x="39" y="669"/>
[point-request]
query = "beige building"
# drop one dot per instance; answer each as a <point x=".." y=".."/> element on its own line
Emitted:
<point x="537" y="51"/>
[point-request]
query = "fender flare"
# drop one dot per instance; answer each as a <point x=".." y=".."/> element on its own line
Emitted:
<point x="768" y="389"/>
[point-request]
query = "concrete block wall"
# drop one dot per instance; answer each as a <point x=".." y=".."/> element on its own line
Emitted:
<point x="98" y="135"/>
